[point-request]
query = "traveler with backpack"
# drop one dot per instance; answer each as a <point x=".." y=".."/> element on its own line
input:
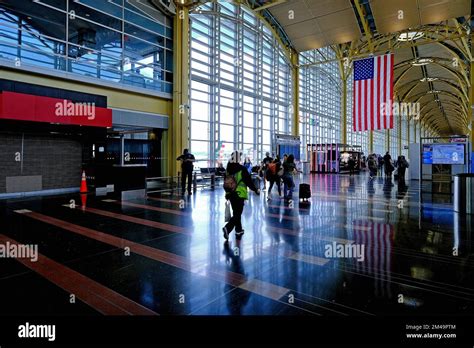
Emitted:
<point x="289" y="168"/>
<point x="273" y="177"/>
<point x="235" y="184"/>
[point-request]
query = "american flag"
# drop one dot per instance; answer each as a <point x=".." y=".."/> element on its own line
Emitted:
<point x="373" y="93"/>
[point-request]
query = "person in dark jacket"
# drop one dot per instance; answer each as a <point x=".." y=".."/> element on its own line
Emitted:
<point x="402" y="166"/>
<point x="273" y="177"/>
<point x="187" y="159"/>
<point x="289" y="168"/>
<point x="266" y="161"/>
<point x="373" y="165"/>
<point x="351" y="163"/>
<point x="238" y="196"/>
<point x="388" y="166"/>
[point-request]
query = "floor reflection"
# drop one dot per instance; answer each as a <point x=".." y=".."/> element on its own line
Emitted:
<point x="417" y="251"/>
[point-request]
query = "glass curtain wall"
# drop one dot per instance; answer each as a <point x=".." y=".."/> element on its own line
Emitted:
<point x="240" y="90"/>
<point x="354" y="138"/>
<point x="319" y="99"/>
<point x="122" y="41"/>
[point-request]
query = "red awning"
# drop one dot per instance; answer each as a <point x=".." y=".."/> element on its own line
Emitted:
<point x="27" y="107"/>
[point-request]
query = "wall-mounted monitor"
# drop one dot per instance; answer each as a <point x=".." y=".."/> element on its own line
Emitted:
<point x="444" y="153"/>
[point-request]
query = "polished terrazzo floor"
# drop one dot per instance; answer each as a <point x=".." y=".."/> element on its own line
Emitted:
<point x="164" y="256"/>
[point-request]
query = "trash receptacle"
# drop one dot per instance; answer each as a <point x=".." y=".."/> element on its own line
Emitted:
<point x="464" y="193"/>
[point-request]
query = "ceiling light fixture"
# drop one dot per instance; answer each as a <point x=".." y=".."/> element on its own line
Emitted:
<point x="410" y="36"/>
<point x="422" y="61"/>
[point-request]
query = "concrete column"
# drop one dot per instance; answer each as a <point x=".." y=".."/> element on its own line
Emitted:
<point x="178" y="137"/>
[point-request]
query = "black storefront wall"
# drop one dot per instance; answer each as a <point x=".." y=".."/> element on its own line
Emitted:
<point x="39" y="161"/>
<point x="37" y="156"/>
<point x="146" y="152"/>
<point x="41" y="156"/>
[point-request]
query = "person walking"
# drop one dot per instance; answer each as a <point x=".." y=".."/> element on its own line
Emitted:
<point x="273" y="177"/>
<point x="289" y="168"/>
<point x="351" y="163"/>
<point x="373" y="166"/>
<point x="187" y="159"/>
<point x="402" y="166"/>
<point x="266" y="161"/>
<point x="388" y="166"/>
<point x="235" y="184"/>
<point x="248" y="164"/>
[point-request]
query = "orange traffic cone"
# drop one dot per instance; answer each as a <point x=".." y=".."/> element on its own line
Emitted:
<point x="83" y="183"/>
<point x="83" y="201"/>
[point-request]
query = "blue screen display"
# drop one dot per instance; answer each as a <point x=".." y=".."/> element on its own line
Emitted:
<point x="289" y="149"/>
<point x="444" y="153"/>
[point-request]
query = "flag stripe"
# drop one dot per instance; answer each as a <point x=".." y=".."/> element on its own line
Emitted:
<point x="359" y="125"/>
<point x="382" y="91"/>
<point x="367" y="105"/>
<point x="378" y="94"/>
<point x="390" y="75"/>
<point x="354" y="116"/>
<point x="371" y="116"/>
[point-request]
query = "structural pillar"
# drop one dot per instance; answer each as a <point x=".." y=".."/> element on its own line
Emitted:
<point x="178" y="139"/>
<point x="414" y="132"/>
<point x="471" y="110"/>
<point x="122" y="149"/>
<point x="387" y="140"/>
<point x="343" y="74"/>
<point x="399" y="134"/>
<point x="371" y="142"/>
<point x="344" y="110"/>
<point x="408" y="131"/>
<point x="295" y="114"/>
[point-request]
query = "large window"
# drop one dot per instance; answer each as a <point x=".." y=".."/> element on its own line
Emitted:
<point x="122" y="41"/>
<point x="240" y="84"/>
<point x="319" y="99"/>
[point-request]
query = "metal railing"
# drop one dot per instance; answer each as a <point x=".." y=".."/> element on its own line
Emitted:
<point x="173" y="183"/>
<point x="162" y="184"/>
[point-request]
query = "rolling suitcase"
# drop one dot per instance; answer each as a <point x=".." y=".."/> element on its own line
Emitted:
<point x="256" y="181"/>
<point x="305" y="192"/>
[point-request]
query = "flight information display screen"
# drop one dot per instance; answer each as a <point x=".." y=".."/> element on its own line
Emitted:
<point x="444" y="153"/>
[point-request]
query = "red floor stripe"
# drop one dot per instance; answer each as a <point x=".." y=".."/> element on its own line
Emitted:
<point x="163" y="200"/>
<point x="155" y="224"/>
<point x="158" y="255"/>
<point x="151" y="207"/>
<point x="287" y="208"/>
<point x="232" y="278"/>
<point x="99" y="297"/>
<point x="281" y="216"/>
<point x="270" y="205"/>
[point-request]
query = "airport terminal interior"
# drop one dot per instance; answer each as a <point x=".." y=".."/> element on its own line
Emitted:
<point x="252" y="157"/>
